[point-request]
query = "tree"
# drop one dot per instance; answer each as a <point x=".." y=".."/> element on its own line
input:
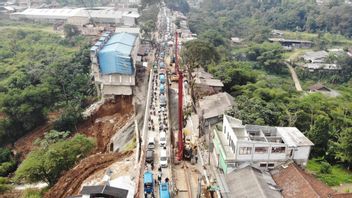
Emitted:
<point x="268" y="55"/>
<point x="70" y="30"/>
<point x="319" y="134"/>
<point x="46" y="164"/>
<point x="195" y="54"/>
<point x="344" y="145"/>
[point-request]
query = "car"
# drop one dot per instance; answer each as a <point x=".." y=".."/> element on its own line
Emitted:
<point x="163" y="158"/>
<point x="149" y="156"/>
<point x="151" y="143"/>
<point x="162" y="138"/>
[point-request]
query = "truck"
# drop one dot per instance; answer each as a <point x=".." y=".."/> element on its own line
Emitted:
<point x="148" y="181"/>
<point x="162" y="101"/>
<point x="189" y="149"/>
<point x="164" y="190"/>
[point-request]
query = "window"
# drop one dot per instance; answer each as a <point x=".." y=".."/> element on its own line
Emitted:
<point x="245" y="150"/>
<point x="278" y="150"/>
<point x="261" y="150"/>
<point x="232" y="146"/>
<point x="225" y="129"/>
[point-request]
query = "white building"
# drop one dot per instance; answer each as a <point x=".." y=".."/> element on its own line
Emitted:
<point x="261" y="146"/>
<point x="80" y="16"/>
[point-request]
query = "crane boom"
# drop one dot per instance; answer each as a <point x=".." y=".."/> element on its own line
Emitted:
<point x="180" y="103"/>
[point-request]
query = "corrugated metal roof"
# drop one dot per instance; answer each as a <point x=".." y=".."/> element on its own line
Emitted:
<point x="216" y="105"/>
<point x="250" y="182"/>
<point x="115" y="55"/>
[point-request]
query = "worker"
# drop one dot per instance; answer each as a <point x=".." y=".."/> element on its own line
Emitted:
<point x="159" y="177"/>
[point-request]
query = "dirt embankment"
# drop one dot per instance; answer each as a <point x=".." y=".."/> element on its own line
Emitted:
<point x="70" y="183"/>
<point x="110" y="117"/>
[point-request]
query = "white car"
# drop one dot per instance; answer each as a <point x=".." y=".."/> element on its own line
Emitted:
<point x="162" y="138"/>
<point x="163" y="158"/>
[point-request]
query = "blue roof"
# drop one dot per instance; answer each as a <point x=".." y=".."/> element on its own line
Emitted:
<point x="148" y="177"/>
<point x="115" y="55"/>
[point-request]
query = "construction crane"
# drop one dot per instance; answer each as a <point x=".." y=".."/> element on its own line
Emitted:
<point x="180" y="142"/>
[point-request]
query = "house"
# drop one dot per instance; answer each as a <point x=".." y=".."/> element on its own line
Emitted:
<point x="315" y="57"/>
<point x="323" y="89"/>
<point x="295" y="182"/>
<point x="113" y="60"/>
<point x="318" y="88"/>
<point x="251" y="182"/>
<point x="211" y="108"/>
<point x="205" y="84"/>
<point x="263" y="147"/>
<point x="236" y="40"/>
<point x="101" y="191"/>
<point x="290" y="43"/>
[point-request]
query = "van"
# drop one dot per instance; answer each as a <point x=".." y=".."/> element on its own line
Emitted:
<point x="162" y="101"/>
<point x="163" y="158"/>
<point x="162" y="138"/>
<point x="151" y="143"/>
<point x="149" y="156"/>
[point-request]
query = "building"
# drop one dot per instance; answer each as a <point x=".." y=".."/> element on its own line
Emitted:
<point x="290" y="43"/>
<point x="251" y="182"/>
<point x="211" y="108"/>
<point x="101" y="191"/>
<point x="315" y="57"/>
<point x="263" y="147"/>
<point x="323" y="89"/>
<point x="80" y="16"/>
<point x="205" y="84"/>
<point x="316" y="60"/>
<point x="295" y="182"/>
<point x="113" y="63"/>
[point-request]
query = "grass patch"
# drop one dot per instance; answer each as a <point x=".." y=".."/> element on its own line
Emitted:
<point x="300" y="35"/>
<point x="337" y="176"/>
<point x="130" y="145"/>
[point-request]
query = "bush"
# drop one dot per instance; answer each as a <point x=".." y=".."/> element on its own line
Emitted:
<point x="68" y="120"/>
<point x="5" y="155"/>
<point x="46" y="164"/>
<point x="6" y="168"/>
<point x="32" y="193"/>
<point x="325" y="168"/>
<point x="3" y="185"/>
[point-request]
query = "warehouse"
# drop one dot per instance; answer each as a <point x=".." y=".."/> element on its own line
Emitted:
<point x="80" y="16"/>
<point x="113" y="63"/>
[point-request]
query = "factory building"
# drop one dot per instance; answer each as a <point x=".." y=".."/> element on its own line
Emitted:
<point x="113" y="63"/>
<point x="80" y="16"/>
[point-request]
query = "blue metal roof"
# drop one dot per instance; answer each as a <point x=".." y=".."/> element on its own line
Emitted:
<point x="148" y="177"/>
<point x="115" y="55"/>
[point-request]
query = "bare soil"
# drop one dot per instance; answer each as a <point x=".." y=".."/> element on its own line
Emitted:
<point x="111" y="116"/>
<point x="70" y="183"/>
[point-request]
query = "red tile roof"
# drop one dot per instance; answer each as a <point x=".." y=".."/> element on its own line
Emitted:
<point x="295" y="182"/>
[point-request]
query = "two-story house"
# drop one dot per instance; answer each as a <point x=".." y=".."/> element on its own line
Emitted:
<point x="261" y="146"/>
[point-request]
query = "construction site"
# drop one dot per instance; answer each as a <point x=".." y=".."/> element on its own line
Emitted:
<point x="154" y="138"/>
